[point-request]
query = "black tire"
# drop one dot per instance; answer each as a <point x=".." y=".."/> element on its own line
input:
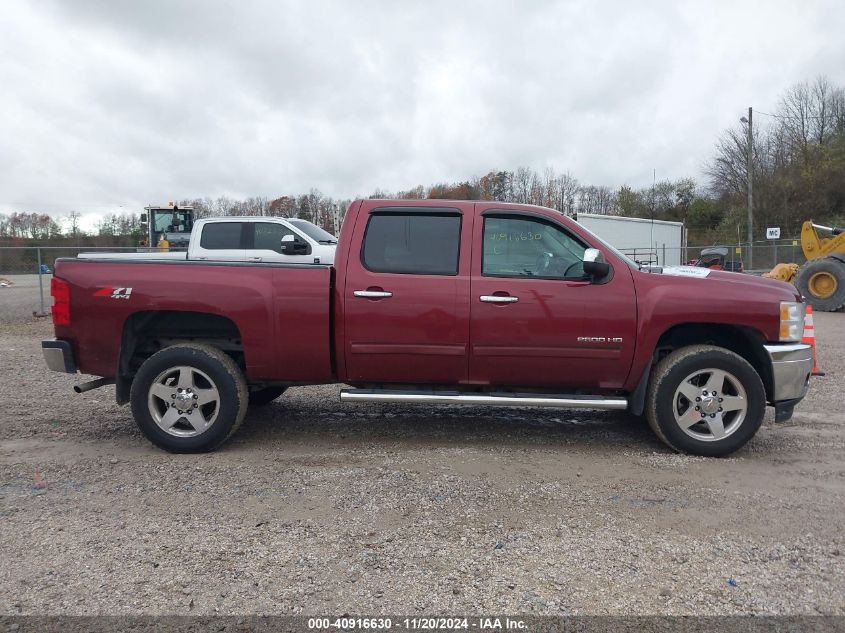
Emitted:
<point x="832" y="267"/>
<point x="662" y="401"/>
<point x="213" y="366"/>
<point x="263" y="397"/>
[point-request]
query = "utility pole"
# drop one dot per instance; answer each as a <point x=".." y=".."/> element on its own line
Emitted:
<point x="336" y="219"/>
<point x="750" y="168"/>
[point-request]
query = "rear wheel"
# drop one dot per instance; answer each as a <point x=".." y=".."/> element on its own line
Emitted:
<point x="822" y="282"/>
<point x="705" y="400"/>
<point x="189" y="398"/>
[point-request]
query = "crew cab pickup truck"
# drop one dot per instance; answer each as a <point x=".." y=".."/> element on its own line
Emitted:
<point x="447" y="302"/>
<point x="247" y="238"/>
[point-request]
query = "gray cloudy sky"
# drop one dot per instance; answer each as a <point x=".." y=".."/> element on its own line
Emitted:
<point x="115" y="103"/>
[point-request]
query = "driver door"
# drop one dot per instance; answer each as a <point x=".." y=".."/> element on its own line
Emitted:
<point x="266" y="245"/>
<point x="532" y="308"/>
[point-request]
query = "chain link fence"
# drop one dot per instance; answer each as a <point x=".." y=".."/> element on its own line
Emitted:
<point x="759" y="258"/>
<point x="765" y="255"/>
<point x="27" y="269"/>
<point x="27" y="260"/>
<point x="25" y="273"/>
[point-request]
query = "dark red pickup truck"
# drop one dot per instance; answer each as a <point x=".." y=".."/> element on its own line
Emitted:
<point x="480" y="303"/>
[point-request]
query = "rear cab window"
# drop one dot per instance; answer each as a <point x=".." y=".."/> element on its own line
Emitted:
<point x="406" y="240"/>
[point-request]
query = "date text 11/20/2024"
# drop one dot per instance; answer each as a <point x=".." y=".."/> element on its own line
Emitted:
<point x="417" y="624"/>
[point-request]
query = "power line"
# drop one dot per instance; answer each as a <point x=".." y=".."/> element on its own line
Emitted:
<point x="792" y="118"/>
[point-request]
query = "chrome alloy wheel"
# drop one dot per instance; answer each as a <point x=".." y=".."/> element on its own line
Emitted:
<point x="710" y="404"/>
<point x="183" y="401"/>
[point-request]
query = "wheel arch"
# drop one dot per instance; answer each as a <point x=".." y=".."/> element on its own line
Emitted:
<point x="146" y="332"/>
<point x="745" y="341"/>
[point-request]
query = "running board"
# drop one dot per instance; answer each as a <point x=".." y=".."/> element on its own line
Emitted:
<point x="492" y="399"/>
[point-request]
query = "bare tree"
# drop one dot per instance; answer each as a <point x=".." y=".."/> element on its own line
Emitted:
<point x="599" y="200"/>
<point x="73" y="220"/>
<point x="522" y="180"/>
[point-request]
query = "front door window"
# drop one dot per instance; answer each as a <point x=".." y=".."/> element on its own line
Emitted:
<point x="529" y="247"/>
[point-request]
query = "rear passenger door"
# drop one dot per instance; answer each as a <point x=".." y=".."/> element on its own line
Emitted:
<point x="406" y="295"/>
<point x="221" y="241"/>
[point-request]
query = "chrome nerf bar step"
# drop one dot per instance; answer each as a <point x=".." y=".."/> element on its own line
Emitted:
<point x="491" y="399"/>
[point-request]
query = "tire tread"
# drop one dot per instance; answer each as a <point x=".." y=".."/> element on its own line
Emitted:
<point x="229" y="366"/>
<point x="832" y="266"/>
<point x="661" y="373"/>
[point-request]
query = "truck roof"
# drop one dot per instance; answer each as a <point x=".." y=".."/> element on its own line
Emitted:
<point x="248" y="218"/>
<point x="433" y="202"/>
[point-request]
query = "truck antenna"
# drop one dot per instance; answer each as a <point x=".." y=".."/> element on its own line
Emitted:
<point x="653" y="185"/>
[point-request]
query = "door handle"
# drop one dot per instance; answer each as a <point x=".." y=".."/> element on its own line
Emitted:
<point x="497" y="299"/>
<point x="373" y="294"/>
<point x="256" y="259"/>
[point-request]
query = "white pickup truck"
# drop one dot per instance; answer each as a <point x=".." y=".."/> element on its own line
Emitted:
<point x="248" y="239"/>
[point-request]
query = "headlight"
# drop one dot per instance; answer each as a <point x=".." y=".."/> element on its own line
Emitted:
<point x="791" y="321"/>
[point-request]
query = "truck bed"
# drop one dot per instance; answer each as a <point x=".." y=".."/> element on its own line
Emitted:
<point x="279" y="313"/>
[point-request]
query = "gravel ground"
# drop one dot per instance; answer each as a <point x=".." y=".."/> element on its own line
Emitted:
<point x="20" y="300"/>
<point x="318" y="508"/>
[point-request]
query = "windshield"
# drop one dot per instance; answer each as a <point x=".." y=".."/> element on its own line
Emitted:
<point x="615" y="250"/>
<point x="167" y="221"/>
<point x="314" y="232"/>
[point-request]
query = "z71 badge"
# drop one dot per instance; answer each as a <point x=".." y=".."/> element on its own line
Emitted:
<point x="114" y="293"/>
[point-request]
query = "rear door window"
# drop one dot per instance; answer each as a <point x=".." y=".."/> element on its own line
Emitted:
<point x="408" y="242"/>
<point x="221" y="236"/>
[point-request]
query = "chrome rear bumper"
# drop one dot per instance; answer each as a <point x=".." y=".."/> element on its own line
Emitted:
<point x="58" y="355"/>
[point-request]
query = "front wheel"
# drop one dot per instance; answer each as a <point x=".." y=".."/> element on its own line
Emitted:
<point x="189" y="398"/>
<point x="705" y="400"/>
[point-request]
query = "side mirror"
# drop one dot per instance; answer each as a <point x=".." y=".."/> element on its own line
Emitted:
<point x="594" y="263"/>
<point x="291" y="246"/>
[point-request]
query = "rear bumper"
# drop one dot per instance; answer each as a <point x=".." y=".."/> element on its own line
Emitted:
<point x="58" y="355"/>
<point x="792" y="365"/>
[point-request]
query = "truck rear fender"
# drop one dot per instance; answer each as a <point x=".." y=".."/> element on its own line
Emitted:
<point x="145" y="333"/>
<point x="745" y="341"/>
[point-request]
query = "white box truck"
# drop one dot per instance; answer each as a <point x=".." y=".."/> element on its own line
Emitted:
<point x="650" y="242"/>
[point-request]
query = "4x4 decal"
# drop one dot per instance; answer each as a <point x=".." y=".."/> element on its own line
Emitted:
<point x="114" y="293"/>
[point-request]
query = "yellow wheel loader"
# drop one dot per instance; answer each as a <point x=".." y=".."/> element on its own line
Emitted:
<point x="822" y="279"/>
